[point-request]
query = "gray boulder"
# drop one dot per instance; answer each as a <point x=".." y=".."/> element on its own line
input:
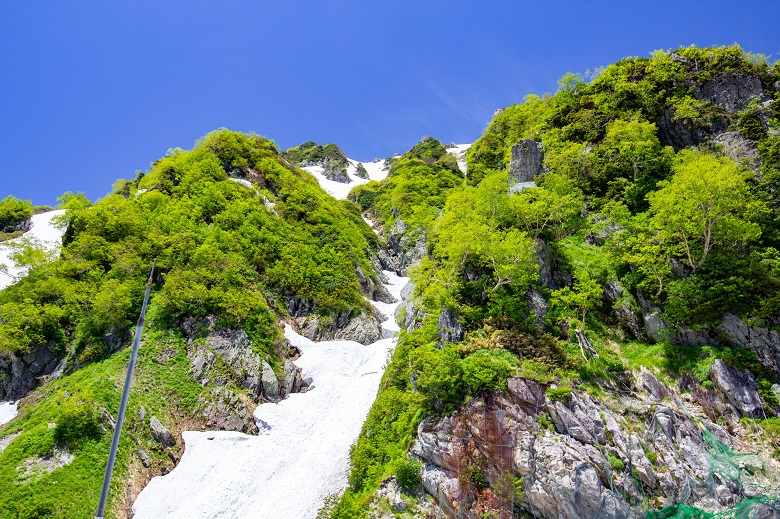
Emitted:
<point x="236" y="350"/>
<point x="225" y="411"/>
<point x="740" y="388"/>
<point x="269" y="382"/>
<point x="293" y="380"/>
<point x="364" y="329"/>
<point x="526" y="162"/>
<point x="160" y="432"/>
<point x="450" y="330"/>
<point x="652" y="386"/>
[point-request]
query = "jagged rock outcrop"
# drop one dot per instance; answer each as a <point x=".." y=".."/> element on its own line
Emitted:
<point x="405" y="247"/>
<point x="364" y="329"/>
<point x="731" y="93"/>
<point x="450" y="329"/>
<point x="269" y="382"/>
<point x="526" y="161"/>
<point x="537" y="306"/>
<point x="227" y="412"/>
<point x="374" y="291"/>
<point x="19" y="372"/>
<point x="580" y="456"/>
<point x="236" y="350"/>
<point x="160" y="432"/>
<point x="409" y="315"/>
<point x="765" y="342"/>
<point x="232" y="348"/>
<point x="551" y="272"/>
<point x="740" y="387"/>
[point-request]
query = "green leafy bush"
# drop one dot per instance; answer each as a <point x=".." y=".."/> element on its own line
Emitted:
<point x="486" y="370"/>
<point x="13" y="212"/>
<point x="79" y="422"/>
<point x="408" y="473"/>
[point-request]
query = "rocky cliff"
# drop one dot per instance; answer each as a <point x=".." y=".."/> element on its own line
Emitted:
<point x="546" y="451"/>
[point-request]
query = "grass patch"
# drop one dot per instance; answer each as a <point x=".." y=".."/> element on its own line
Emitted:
<point x="161" y="385"/>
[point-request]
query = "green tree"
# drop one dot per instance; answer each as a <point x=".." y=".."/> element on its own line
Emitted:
<point x="13" y="212"/>
<point x="577" y="301"/>
<point x="706" y="204"/>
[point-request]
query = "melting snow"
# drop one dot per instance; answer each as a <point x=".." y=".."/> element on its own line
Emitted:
<point x="42" y="231"/>
<point x="459" y="150"/>
<point x="376" y="171"/>
<point x="7" y="412"/>
<point x="302" y="452"/>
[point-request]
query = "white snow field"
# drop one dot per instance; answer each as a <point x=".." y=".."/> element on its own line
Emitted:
<point x="43" y="231"/>
<point x="302" y="452"/>
<point x="7" y="412"/>
<point x="376" y="171"/>
<point x="459" y="150"/>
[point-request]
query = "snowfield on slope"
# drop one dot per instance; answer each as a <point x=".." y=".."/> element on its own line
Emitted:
<point x="43" y="231"/>
<point x="7" y="412"/>
<point x="302" y="452"/>
<point x="376" y="170"/>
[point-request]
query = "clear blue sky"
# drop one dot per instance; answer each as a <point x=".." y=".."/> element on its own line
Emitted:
<point x="91" y="91"/>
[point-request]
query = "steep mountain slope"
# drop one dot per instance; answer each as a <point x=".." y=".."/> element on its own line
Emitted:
<point x="602" y="344"/>
<point x="243" y="240"/>
<point x="590" y="329"/>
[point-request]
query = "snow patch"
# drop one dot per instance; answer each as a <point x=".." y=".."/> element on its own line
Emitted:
<point x="42" y="231"/>
<point x="247" y="184"/>
<point x="459" y="150"/>
<point x="376" y="171"/>
<point x="8" y="412"/>
<point x="302" y="452"/>
<point x="520" y="186"/>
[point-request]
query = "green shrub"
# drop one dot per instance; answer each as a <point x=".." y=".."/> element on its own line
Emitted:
<point x="616" y="463"/>
<point x="486" y="370"/>
<point x="13" y="211"/>
<point x="559" y="393"/>
<point x="408" y="473"/>
<point x="78" y="422"/>
<point x="475" y="476"/>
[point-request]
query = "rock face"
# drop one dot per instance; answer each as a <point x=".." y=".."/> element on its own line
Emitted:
<point x="406" y="247"/>
<point x="526" y="162"/>
<point x="582" y="457"/>
<point x="551" y="273"/>
<point x="160" y="432"/>
<point x="226" y="412"/>
<point x="235" y="349"/>
<point x="450" y="330"/>
<point x="19" y="373"/>
<point x="740" y="388"/>
<point x="732" y="92"/>
<point x="232" y="348"/>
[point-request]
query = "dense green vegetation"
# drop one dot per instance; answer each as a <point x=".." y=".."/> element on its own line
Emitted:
<point x="13" y="212"/>
<point x="675" y="225"/>
<point x="415" y="188"/>
<point x="222" y="250"/>
<point x="228" y="256"/>
<point x="75" y="403"/>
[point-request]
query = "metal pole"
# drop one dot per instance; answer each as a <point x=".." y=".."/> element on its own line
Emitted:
<point x="123" y="403"/>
